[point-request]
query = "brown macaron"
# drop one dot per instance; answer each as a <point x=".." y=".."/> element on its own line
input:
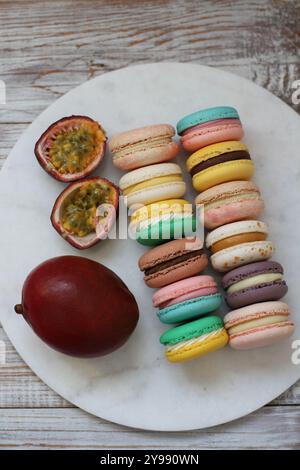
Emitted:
<point x="173" y="261"/>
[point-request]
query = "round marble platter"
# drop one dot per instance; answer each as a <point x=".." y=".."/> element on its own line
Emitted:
<point x="136" y="386"/>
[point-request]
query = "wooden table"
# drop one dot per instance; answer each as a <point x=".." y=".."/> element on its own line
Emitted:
<point x="47" y="48"/>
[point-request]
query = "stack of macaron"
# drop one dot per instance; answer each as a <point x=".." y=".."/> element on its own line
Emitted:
<point x="221" y="169"/>
<point x="183" y="296"/>
<point x="153" y="188"/>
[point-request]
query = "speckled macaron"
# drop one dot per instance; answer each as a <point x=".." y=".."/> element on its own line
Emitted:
<point x="230" y="202"/>
<point x="239" y="243"/>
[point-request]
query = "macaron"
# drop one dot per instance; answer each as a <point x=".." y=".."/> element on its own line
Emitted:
<point x="209" y="126"/>
<point x="144" y="146"/>
<point x="219" y="163"/>
<point x="239" y="243"/>
<point x="230" y="202"/>
<point x="194" y="339"/>
<point x="152" y="183"/>
<point x="255" y="282"/>
<point x="258" y="325"/>
<point x="170" y="227"/>
<point x="187" y="299"/>
<point x="173" y="261"/>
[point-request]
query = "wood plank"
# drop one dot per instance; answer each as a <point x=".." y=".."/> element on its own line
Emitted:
<point x="21" y="388"/>
<point x="268" y="428"/>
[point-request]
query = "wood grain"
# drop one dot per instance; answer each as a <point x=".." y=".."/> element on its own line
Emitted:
<point x="272" y="427"/>
<point x="47" y="48"/>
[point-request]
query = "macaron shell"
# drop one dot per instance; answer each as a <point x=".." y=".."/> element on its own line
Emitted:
<point x="263" y="336"/>
<point x="169" y="251"/>
<point x="186" y="286"/>
<point x="141" y="134"/>
<point x="218" y="131"/>
<point x="255" y="311"/>
<point x="259" y="293"/>
<point x="191" y="295"/>
<point x="235" y="211"/>
<point x="187" y="268"/>
<point x="169" y="190"/>
<point x="223" y="172"/>
<point x="239" y="255"/>
<point x="206" y="115"/>
<point x="153" y="234"/>
<point x="147" y="156"/>
<point x="189" y="309"/>
<point x="193" y="349"/>
<point x="191" y="330"/>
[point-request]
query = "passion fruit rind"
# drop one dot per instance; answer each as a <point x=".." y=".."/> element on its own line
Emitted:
<point x="84" y="213"/>
<point x="71" y="148"/>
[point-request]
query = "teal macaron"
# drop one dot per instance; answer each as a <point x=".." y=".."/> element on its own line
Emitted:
<point x="194" y="339"/>
<point x="189" y="309"/>
<point x="206" y="115"/>
<point x="156" y="233"/>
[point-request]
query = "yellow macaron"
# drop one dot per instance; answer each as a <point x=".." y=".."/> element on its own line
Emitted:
<point x="194" y="339"/>
<point x="219" y="163"/>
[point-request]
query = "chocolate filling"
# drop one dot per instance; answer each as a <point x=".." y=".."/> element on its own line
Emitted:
<point x="173" y="262"/>
<point x="225" y="157"/>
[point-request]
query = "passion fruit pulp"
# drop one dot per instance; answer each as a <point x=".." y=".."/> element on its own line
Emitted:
<point x="78" y="306"/>
<point x="71" y="148"/>
<point x="85" y="211"/>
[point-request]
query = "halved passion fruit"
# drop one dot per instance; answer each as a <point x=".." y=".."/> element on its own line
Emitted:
<point x="85" y="211"/>
<point x="71" y="148"/>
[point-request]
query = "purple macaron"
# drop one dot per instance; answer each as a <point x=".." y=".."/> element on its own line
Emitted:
<point x="255" y="282"/>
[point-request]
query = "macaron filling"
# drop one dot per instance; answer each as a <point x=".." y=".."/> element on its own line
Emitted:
<point x="153" y="142"/>
<point x="215" y="160"/>
<point x="190" y="343"/>
<point x="151" y="183"/>
<point x="256" y="323"/>
<point x="261" y="279"/>
<point x="237" y="240"/>
<point x="173" y="262"/>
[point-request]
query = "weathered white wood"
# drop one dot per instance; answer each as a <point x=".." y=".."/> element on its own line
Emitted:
<point x="268" y="428"/>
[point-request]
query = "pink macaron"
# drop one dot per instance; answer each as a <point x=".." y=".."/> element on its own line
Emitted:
<point x="258" y="325"/>
<point x="211" y="133"/>
<point x="209" y="126"/>
<point x="230" y="202"/>
<point x="144" y="146"/>
<point x="187" y="299"/>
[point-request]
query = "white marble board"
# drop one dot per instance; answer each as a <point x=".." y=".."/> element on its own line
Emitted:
<point x="135" y="386"/>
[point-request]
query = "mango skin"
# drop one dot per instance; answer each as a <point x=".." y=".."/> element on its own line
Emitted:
<point x="78" y="306"/>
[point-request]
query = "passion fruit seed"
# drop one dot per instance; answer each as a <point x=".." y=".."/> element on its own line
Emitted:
<point x="72" y="150"/>
<point x="78" y="214"/>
